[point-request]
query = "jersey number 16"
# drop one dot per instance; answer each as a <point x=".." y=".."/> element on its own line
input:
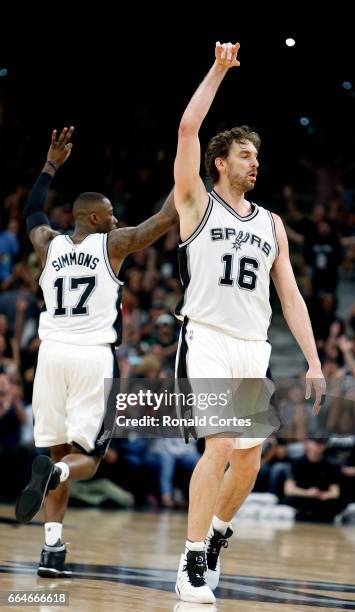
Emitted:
<point x="247" y="277"/>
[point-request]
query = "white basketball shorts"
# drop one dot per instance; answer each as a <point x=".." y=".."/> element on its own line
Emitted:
<point x="207" y="353"/>
<point x="69" y="403"/>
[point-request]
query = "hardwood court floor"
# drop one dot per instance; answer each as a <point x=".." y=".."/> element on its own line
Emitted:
<point x="127" y="561"/>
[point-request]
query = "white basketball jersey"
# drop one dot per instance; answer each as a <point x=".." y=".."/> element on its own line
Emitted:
<point x="82" y="295"/>
<point x="225" y="270"/>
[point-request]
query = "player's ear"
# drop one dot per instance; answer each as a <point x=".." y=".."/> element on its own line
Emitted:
<point x="220" y="163"/>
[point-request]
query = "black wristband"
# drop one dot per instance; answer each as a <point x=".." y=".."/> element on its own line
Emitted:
<point x="54" y="165"/>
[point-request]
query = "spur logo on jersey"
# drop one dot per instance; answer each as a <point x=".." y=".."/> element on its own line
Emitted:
<point x="75" y="259"/>
<point x="240" y="238"/>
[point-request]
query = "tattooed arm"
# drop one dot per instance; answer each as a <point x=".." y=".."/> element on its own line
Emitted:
<point x="126" y="240"/>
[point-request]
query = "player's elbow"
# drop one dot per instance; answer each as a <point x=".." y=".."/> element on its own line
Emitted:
<point x="188" y="128"/>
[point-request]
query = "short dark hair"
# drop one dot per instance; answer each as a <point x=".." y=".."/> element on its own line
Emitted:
<point x="85" y="200"/>
<point x="220" y="144"/>
<point x="90" y="196"/>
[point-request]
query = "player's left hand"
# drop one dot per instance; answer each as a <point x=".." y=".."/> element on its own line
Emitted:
<point x="61" y="147"/>
<point x="315" y="381"/>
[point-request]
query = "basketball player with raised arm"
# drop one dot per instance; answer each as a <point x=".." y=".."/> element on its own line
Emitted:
<point x="229" y="249"/>
<point x="79" y="327"/>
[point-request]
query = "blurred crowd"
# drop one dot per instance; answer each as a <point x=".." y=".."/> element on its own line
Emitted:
<point x="314" y="474"/>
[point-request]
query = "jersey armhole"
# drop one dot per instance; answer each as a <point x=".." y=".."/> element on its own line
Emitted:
<point x="107" y="261"/>
<point x="201" y="225"/>
<point x="277" y="248"/>
<point x="47" y="259"/>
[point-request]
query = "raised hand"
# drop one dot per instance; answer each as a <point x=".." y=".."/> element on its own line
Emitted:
<point x="60" y="149"/>
<point x="226" y="54"/>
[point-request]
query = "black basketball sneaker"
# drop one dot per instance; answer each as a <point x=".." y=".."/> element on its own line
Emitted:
<point x="45" y="476"/>
<point x="52" y="562"/>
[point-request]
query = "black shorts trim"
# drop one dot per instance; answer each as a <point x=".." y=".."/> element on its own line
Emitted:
<point x="108" y="424"/>
<point x="183" y="383"/>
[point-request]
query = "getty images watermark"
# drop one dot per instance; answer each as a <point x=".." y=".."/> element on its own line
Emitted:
<point x="146" y="399"/>
<point x="247" y="408"/>
<point x="189" y="407"/>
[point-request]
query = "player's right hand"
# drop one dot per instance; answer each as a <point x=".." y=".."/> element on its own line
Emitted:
<point x="226" y="54"/>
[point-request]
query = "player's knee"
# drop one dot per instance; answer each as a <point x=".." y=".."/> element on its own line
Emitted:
<point x="246" y="463"/>
<point x="250" y="468"/>
<point x="220" y="448"/>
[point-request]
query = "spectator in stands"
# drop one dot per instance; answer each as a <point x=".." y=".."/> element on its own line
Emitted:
<point x="170" y="455"/>
<point x="312" y="485"/>
<point x="9" y="248"/>
<point x="275" y="465"/>
<point x="4" y="332"/>
<point x="348" y="478"/>
<point x="347" y="348"/>
<point x="323" y="253"/>
<point x="165" y="337"/>
<point x="297" y="420"/>
<point x="12" y="418"/>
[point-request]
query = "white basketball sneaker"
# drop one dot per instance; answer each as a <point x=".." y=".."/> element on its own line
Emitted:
<point x="190" y="583"/>
<point x="214" y="542"/>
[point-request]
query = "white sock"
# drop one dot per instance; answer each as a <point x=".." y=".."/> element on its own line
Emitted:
<point x="220" y="526"/>
<point x="52" y="533"/>
<point x="64" y="467"/>
<point x="195" y="545"/>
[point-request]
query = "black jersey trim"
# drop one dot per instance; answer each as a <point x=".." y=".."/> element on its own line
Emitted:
<point x="201" y="225"/>
<point x="274" y="233"/>
<point x="227" y="206"/>
<point x="185" y="276"/>
<point x="117" y="324"/>
<point x="47" y="260"/>
<point x="107" y="261"/>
